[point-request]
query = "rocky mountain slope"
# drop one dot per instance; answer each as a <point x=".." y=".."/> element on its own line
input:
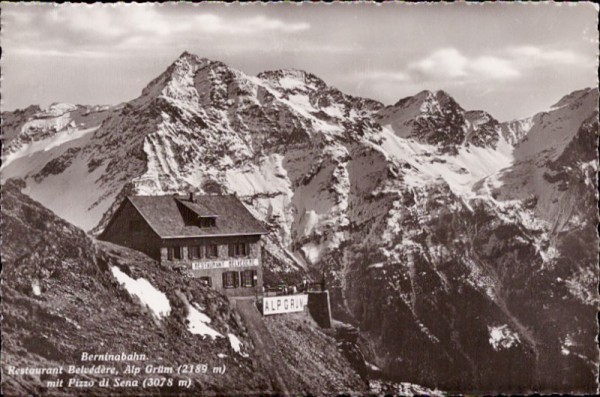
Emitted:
<point x="431" y="228"/>
<point x="65" y="294"/>
<point x="58" y="119"/>
<point x="515" y="130"/>
<point x="436" y="118"/>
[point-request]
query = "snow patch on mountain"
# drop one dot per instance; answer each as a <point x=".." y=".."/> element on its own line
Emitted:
<point x="291" y="83"/>
<point x="567" y="344"/>
<point x="35" y="288"/>
<point x="267" y="177"/>
<point x="57" y="168"/>
<point x="402" y="389"/>
<point x="46" y="144"/>
<point x="57" y="109"/>
<point x="24" y="131"/>
<point x="156" y="301"/>
<point x="514" y="131"/>
<point x="460" y="171"/>
<point x="197" y="323"/>
<point x="236" y="344"/>
<point x="502" y="337"/>
<point x="582" y="285"/>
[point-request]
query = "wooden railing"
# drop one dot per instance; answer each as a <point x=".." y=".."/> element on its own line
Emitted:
<point x="283" y="289"/>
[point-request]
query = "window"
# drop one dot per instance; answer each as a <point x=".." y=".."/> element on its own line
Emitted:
<point x="249" y="278"/>
<point x="194" y="252"/>
<point x="208" y="222"/>
<point x="206" y="281"/>
<point x="212" y="251"/>
<point x="231" y="280"/>
<point x="174" y="253"/>
<point x="239" y="249"/>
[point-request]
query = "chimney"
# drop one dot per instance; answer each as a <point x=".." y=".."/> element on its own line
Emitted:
<point x="192" y="198"/>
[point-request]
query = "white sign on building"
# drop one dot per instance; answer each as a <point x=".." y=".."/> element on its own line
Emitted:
<point x="224" y="264"/>
<point x="284" y="304"/>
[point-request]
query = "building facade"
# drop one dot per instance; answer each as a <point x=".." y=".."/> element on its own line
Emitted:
<point x="213" y="238"/>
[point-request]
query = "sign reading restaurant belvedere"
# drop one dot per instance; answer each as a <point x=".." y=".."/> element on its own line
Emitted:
<point x="224" y="264"/>
<point x="284" y="304"/>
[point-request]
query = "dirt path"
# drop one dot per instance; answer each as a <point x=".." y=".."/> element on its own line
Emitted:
<point x="263" y="341"/>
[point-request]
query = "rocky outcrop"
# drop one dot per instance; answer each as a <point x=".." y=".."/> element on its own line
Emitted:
<point x="437" y="119"/>
<point x="515" y="130"/>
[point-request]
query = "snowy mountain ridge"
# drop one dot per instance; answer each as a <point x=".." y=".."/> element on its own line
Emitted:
<point x="40" y="124"/>
<point x="436" y="118"/>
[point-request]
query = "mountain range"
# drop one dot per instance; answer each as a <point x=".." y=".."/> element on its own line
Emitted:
<point x="462" y="248"/>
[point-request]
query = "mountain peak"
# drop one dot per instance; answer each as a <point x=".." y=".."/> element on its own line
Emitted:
<point x="179" y="76"/>
<point x="189" y="58"/>
<point x="426" y="96"/>
<point x="575" y="96"/>
<point x="434" y="117"/>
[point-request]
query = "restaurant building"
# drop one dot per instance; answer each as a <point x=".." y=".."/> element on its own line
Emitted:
<point x="211" y="237"/>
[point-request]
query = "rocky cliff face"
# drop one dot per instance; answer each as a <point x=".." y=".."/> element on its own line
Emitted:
<point x="430" y="228"/>
<point x="436" y="118"/>
<point x="33" y="124"/>
<point x="515" y="130"/>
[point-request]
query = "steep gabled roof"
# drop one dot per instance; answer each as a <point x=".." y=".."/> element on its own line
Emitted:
<point x="165" y="215"/>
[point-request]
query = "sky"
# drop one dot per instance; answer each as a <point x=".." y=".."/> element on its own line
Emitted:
<point x="510" y="59"/>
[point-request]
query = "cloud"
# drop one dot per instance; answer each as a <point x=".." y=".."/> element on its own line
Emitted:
<point x="495" y="68"/>
<point x="83" y="30"/>
<point x="446" y="63"/>
<point x="42" y="52"/>
<point x="380" y="75"/>
<point x="256" y="24"/>
<point x="537" y="56"/>
<point x="442" y="67"/>
<point x="145" y="19"/>
<point x="450" y="64"/>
